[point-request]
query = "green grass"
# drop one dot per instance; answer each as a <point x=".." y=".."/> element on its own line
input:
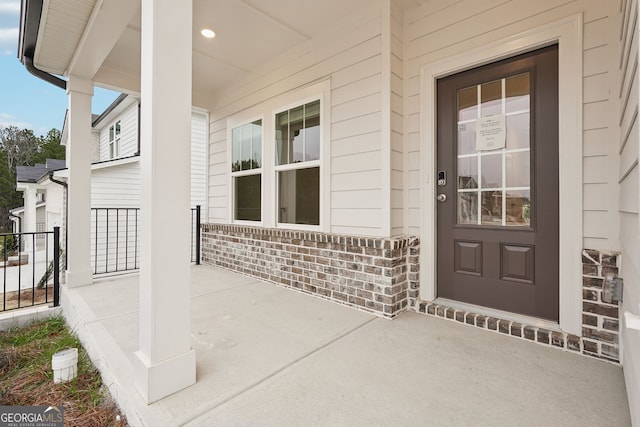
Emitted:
<point x="26" y="377"/>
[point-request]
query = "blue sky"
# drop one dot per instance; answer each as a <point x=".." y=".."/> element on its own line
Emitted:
<point x="25" y="100"/>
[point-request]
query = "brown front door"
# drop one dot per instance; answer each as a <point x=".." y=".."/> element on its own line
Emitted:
<point x="497" y="185"/>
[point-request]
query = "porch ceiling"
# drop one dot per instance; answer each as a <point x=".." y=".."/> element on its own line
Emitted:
<point x="71" y="37"/>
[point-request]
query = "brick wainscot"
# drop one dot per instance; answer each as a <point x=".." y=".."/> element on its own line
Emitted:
<point x="370" y="274"/>
<point x="381" y="276"/>
<point x="600" y="325"/>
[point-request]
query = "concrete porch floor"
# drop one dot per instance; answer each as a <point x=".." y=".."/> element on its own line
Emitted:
<point x="270" y="356"/>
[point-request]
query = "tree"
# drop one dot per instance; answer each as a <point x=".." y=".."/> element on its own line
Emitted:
<point x="49" y="147"/>
<point x="19" y="145"/>
<point x="9" y="197"/>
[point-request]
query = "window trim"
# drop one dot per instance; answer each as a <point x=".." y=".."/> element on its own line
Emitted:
<point x="114" y="145"/>
<point x="567" y="33"/>
<point x="319" y="163"/>
<point x="231" y="125"/>
<point x="267" y="110"/>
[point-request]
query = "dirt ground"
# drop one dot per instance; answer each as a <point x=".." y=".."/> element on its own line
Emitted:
<point x="26" y="377"/>
<point x="27" y="298"/>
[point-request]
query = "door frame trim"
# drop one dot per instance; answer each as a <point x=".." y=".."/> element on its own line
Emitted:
<point x="567" y="33"/>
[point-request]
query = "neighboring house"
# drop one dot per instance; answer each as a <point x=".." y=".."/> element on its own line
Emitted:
<point x="115" y="184"/>
<point x="475" y="160"/>
<point x="43" y="206"/>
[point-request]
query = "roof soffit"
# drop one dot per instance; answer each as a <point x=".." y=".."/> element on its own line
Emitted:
<point x="61" y="27"/>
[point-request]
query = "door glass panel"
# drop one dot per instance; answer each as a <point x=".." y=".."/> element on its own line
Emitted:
<point x="468" y="208"/>
<point x="502" y="176"/>
<point x="518" y="131"/>
<point x="468" y="103"/>
<point x="466" y="138"/>
<point x="518" y="173"/>
<point x="491" y="171"/>
<point x="517" y="93"/>
<point x="468" y="172"/>
<point x="518" y="208"/>
<point x="491" y="96"/>
<point x="492" y="207"/>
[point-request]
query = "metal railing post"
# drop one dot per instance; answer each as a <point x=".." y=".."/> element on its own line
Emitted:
<point x="198" y="235"/>
<point x="56" y="266"/>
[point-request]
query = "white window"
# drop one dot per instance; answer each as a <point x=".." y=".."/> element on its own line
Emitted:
<point x="277" y="161"/>
<point x="246" y="171"/>
<point x="114" y="140"/>
<point x="298" y="164"/>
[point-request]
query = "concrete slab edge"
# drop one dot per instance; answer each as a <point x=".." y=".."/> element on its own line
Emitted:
<point x="23" y="317"/>
<point x="114" y="366"/>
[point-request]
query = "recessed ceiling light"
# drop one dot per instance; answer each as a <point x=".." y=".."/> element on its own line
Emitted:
<point x="206" y="32"/>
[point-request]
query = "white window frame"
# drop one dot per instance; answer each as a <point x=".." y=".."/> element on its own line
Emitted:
<point x="267" y="110"/>
<point x="233" y="124"/>
<point x="114" y="144"/>
<point x="300" y="165"/>
<point x="567" y="33"/>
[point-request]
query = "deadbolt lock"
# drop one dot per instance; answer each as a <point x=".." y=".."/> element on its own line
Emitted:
<point x="442" y="178"/>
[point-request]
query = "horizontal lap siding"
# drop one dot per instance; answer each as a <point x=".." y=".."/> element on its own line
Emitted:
<point x="351" y="57"/>
<point x="116" y="187"/>
<point x="218" y="173"/>
<point x="128" y="134"/>
<point x="440" y="29"/>
<point x="629" y="203"/>
<point x="598" y="169"/>
<point x="199" y="160"/>
<point x="397" y="122"/>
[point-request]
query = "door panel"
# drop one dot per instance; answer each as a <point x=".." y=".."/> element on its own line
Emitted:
<point x="497" y="213"/>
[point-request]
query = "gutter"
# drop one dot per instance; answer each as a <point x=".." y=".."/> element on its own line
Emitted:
<point x="19" y="221"/>
<point x="49" y="78"/>
<point x="109" y="109"/>
<point x="66" y="213"/>
<point x="30" y="14"/>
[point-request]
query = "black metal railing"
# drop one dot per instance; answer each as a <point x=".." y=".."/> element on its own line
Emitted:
<point x="195" y="234"/>
<point x="30" y="269"/>
<point x="116" y="239"/>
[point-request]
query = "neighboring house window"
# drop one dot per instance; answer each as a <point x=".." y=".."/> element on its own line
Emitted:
<point x="246" y="171"/>
<point x="298" y="164"/>
<point x="114" y="140"/>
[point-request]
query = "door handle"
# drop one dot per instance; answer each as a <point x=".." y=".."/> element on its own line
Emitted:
<point x="442" y="197"/>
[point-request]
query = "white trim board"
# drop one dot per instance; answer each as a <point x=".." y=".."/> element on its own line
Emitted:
<point x="567" y="33"/>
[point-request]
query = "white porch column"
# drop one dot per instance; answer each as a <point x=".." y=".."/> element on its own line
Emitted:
<point x="80" y="92"/>
<point x="29" y="226"/>
<point x="165" y="362"/>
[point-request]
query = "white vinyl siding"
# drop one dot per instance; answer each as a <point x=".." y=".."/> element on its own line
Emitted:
<point x="116" y="186"/>
<point x="128" y="134"/>
<point x="119" y="185"/>
<point x="396" y="102"/>
<point x="55" y="199"/>
<point x="440" y="29"/>
<point x="350" y="54"/>
<point x="199" y="161"/>
<point x="218" y="203"/>
<point x="627" y="92"/>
